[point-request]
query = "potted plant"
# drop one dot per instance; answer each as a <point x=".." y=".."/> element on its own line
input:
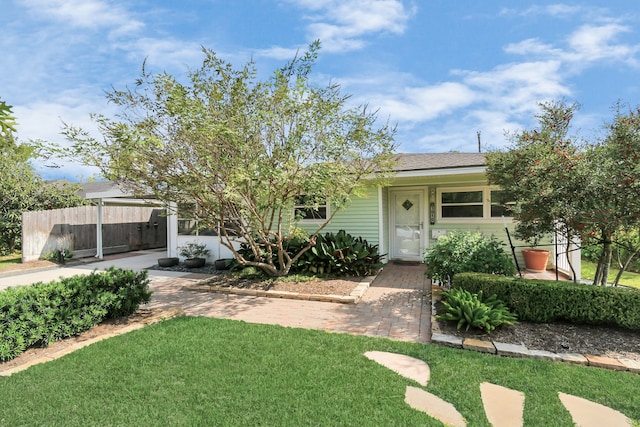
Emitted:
<point x="195" y="254"/>
<point x="168" y="261"/>
<point x="535" y="260"/>
<point x="222" y="264"/>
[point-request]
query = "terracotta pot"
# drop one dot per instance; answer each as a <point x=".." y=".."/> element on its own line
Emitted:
<point x="194" y="262"/>
<point x="535" y="260"/>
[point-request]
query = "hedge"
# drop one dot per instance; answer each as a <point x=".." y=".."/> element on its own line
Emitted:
<point x="543" y="301"/>
<point x="44" y="312"/>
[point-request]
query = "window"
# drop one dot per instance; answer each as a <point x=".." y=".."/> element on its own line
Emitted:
<point x="306" y="210"/>
<point x="190" y="226"/>
<point x="472" y="204"/>
<point x="461" y="204"/>
<point x="500" y="205"/>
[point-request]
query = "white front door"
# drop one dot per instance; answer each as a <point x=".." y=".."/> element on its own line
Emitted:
<point x="407" y="234"/>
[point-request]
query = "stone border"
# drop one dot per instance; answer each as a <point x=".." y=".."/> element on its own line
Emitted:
<point x="353" y="298"/>
<point x="165" y="314"/>
<point x="516" y="350"/>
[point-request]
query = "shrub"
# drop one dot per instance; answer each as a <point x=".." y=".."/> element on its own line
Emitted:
<point x="194" y="250"/>
<point x="44" y="312"/>
<point x="338" y="254"/>
<point x="469" y="309"/>
<point x="543" y="301"/>
<point x="462" y="251"/>
<point x="58" y="255"/>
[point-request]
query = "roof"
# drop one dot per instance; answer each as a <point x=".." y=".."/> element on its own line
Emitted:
<point x="427" y="161"/>
<point x="95" y="188"/>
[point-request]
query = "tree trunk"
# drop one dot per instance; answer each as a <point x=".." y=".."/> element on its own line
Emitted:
<point x="567" y="254"/>
<point x="623" y="267"/>
<point x="602" y="272"/>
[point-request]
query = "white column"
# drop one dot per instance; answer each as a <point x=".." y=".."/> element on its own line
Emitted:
<point x="172" y="230"/>
<point x="99" y="253"/>
<point x="381" y="242"/>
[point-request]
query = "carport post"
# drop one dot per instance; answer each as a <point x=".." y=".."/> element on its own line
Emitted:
<point x="99" y="253"/>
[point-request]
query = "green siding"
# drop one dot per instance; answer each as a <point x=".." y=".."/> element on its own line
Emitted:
<point x="360" y="218"/>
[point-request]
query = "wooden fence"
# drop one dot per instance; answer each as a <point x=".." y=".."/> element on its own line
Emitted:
<point x="124" y="228"/>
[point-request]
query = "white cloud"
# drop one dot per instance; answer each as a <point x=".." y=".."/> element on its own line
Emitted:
<point x="416" y="104"/>
<point x="591" y="43"/>
<point x="558" y="10"/>
<point x="343" y="25"/>
<point x="170" y="54"/>
<point x="44" y="120"/>
<point x="91" y="14"/>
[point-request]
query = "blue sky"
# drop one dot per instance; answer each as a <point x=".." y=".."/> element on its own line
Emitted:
<point x="442" y="70"/>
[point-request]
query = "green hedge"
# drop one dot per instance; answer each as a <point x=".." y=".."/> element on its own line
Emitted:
<point x="543" y="301"/>
<point x="44" y="312"/>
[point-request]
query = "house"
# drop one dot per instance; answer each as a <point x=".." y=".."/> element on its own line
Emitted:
<point x="429" y="195"/>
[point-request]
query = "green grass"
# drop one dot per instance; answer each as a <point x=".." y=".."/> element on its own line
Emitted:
<point x="8" y="260"/>
<point x="200" y="371"/>
<point x="588" y="271"/>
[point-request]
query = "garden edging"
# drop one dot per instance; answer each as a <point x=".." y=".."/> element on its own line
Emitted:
<point x="516" y="350"/>
<point x="353" y="298"/>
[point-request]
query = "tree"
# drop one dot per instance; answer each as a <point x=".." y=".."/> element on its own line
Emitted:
<point x="21" y="189"/>
<point x="591" y="191"/>
<point x="7" y="121"/>
<point x="243" y="151"/>
<point x="543" y="171"/>
<point x="617" y="166"/>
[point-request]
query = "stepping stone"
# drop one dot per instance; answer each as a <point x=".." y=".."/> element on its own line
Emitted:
<point x="409" y="367"/>
<point x="433" y="406"/>
<point x="504" y="407"/>
<point x="586" y="413"/>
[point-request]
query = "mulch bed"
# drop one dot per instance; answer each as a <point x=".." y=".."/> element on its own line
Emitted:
<point x="556" y="337"/>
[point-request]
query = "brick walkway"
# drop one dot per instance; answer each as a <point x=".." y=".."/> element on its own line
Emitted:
<point x="396" y="306"/>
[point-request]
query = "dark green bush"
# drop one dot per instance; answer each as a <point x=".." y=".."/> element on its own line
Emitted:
<point x="338" y="254"/>
<point x="466" y="308"/>
<point x="44" y="312"/>
<point x="463" y="251"/>
<point x="543" y="301"/>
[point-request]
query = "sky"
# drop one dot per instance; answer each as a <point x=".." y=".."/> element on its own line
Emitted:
<point x="441" y="70"/>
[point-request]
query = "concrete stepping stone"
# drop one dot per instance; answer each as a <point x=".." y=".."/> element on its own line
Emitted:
<point x="586" y="413"/>
<point x="409" y="367"/>
<point x="504" y="407"/>
<point x="433" y="406"/>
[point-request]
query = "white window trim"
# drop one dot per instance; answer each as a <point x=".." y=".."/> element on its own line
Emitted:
<point x="327" y="205"/>
<point x="486" y="205"/>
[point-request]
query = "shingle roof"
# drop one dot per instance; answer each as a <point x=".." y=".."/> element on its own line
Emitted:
<point x="425" y="161"/>
<point x="97" y="187"/>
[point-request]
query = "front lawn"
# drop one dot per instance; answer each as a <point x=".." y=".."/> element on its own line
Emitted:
<point x="628" y="278"/>
<point x="201" y="371"/>
<point x="8" y="260"/>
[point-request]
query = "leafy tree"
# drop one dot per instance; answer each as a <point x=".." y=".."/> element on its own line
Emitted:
<point x="7" y="121"/>
<point x="544" y="172"/>
<point x="21" y="188"/>
<point x="591" y="191"/>
<point x="617" y="166"/>
<point x="244" y="150"/>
